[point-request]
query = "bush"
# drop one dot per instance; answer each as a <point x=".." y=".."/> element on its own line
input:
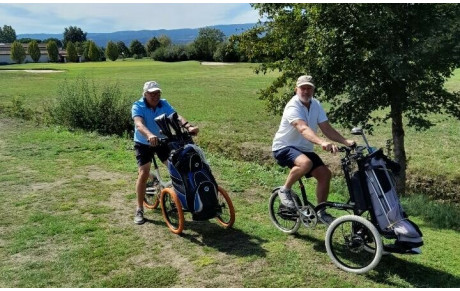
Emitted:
<point x="82" y="106"/>
<point x="171" y="53"/>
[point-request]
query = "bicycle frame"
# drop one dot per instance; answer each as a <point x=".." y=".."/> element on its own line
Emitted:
<point x="156" y="173"/>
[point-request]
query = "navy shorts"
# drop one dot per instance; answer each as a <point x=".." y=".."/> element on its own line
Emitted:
<point x="144" y="153"/>
<point x="286" y="157"/>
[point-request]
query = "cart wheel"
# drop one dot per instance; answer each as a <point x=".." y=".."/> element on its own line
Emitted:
<point x="227" y="215"/>
<point x="285" y="220"/>
<point x="152" y="193"/>
<point x="347" y="241"/>
<point x="171" y="209"/>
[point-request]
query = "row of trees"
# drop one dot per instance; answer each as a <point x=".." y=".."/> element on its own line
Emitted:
<point x="210" y="45"/>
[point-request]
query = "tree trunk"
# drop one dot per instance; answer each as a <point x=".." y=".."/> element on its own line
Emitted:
<point x="398" y="143"/>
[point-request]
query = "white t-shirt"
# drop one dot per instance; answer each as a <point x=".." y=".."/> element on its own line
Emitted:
<point x="288" y="135"/>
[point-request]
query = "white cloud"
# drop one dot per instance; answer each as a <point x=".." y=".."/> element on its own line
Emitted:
<point x="110" y="17"/>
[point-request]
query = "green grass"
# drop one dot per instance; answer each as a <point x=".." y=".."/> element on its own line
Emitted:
<point x="66" y="209"/>
<point x="67" y="198"/>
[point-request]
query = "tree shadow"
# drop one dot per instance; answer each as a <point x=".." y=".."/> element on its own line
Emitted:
<point x="231" y="241"/>
<point x="417" y="275"/>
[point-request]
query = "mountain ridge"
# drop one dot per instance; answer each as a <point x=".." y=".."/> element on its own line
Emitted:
<point x="177" y="36"/>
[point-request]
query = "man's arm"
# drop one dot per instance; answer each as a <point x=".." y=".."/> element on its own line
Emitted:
<point x="190" y="128"/>
<point x="140" y="126"/>
<point x="333" y="134"/>
<point x="310" y="135"/>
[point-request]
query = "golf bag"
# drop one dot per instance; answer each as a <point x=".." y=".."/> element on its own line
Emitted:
<point x="374" y="189"/>
<point x="190" y="173"/>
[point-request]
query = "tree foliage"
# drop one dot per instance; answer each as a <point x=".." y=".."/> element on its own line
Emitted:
<point x="364" y="57"/>
<point x="93" y="51"/>
<point x="57" y="41"/>
<point x="152" y="45"/>
<point x="74" y="34"/>
<point x="207" y="41"/>
<point x="53" y="51"/>
<point x="18" y="53"/>
<point x="34" y="51"/>
<point x="28" y="40"/>
<point x="164" y="40"/>
<point x="137" y="48"/>
<point x="72" y="55"/>
<point x="111" y="51"/>
<point x="7" y="34"/>
<point x="123" y="50"/>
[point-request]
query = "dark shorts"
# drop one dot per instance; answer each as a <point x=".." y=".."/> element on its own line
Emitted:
<point x="286" y="157"/>
<point x="144" y="153"/>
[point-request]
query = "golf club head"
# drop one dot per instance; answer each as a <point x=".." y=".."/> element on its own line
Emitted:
<point x="357" y="131"/>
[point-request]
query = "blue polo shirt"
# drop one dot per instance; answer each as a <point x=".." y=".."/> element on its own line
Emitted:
<point x="142" y="109"/>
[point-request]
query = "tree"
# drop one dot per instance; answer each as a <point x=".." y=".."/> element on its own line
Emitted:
<point x="28" y="40"/>
<point x="364" y="57"/>
<point x="152" y="45"/>
<point x="137" y="48"/>
<point x="72" y="55"/>
<point x="7" y="34"/>
<point x="93" y="52"/>
<point x="164" y="40"/>
<point x="57" y="41"/>
<point x="34" y="51"/>
<point x="18" y="53"/>
<point x="123" y="50"/>
<point x="53" y="51"/>
<point x="207" y="41"/>
<point x="111" y="51"/>
<point x="74" y="34"/>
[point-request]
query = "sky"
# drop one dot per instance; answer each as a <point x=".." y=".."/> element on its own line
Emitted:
<point x="53" y="18"/>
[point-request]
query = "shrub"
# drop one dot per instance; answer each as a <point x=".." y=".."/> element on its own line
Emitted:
<point x="89" y="108"/>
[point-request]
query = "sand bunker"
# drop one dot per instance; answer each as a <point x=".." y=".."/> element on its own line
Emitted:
<point x="215" y="64"/>
<point x="33" y="71"/>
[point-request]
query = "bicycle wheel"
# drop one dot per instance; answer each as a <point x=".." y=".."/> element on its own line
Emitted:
<point x="285" y="220"/>
<point x="227" y="215"/>
<point x="171" y="208"/>
<point x="347" y="241"/>
<point x="152" y="193"/>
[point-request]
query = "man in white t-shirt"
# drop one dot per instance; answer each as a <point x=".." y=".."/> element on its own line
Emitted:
<point x="293" y="143"/>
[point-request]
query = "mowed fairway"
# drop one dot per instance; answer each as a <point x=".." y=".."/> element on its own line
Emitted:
<point x="67" y="198"/>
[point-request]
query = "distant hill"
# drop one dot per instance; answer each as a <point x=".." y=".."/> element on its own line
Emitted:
<point x="178" y="36"/>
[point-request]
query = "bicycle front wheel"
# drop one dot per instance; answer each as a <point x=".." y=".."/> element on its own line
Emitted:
<point x="171" y="209"/>
<point x="348" y="239"/>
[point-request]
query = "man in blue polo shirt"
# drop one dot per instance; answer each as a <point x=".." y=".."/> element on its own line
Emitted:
<point x="146" y="134"/>
<point x="293" y="143"/>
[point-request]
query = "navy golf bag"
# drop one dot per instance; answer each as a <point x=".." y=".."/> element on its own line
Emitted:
<point x="374" y="189"/>
<point x="190" y="173"/>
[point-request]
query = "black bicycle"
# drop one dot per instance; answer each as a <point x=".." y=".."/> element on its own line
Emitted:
<point x="354" y="242"/>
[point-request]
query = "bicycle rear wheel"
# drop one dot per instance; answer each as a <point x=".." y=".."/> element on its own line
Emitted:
<point x="152" y="193"/>
<point x="283" y="219"/>
<point x="227" y="216"/>
<point x="171" y="209"/>
<point x="348" y="240"/>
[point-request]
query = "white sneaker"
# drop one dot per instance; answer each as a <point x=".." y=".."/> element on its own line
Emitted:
<point x="286" y="198"/>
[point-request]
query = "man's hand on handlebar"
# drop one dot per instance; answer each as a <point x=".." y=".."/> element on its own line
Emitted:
<point x="350" y="143"/>
<point x="193" y="130"/>
<point x="329" y="147"/>
<point x="153" y="140"/>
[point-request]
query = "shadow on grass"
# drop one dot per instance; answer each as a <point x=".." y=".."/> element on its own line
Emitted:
<point x="231" y="241"/>
<point x="417" y="275"/>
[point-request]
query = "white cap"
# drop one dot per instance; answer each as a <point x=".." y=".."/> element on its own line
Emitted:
<point x="151" y="86"/>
